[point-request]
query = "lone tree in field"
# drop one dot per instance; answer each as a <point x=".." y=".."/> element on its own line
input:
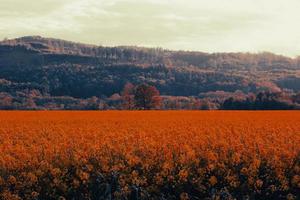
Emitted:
<point x="146" y="97"/>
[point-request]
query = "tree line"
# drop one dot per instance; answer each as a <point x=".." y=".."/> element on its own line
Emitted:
<point x="147" y="97"/>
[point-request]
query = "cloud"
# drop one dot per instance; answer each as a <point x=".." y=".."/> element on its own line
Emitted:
<point x="215" y="25"/>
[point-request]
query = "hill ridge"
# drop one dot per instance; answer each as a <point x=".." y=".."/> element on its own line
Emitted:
<point x="40" y="39"/>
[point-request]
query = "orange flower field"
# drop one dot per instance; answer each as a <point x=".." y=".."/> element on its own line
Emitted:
<point x="149" y="155"/>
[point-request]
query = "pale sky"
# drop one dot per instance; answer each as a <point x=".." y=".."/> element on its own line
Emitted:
<point x="202" y="25"/>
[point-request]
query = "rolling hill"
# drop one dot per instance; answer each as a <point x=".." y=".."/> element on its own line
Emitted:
<point x="54" y="68"/>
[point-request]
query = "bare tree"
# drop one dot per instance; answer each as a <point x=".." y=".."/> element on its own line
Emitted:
<point x="128" y="96"/>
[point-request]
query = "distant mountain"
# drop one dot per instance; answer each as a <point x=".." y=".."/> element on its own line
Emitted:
<point x="57" y="68"/>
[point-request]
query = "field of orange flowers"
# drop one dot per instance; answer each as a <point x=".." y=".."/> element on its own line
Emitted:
<point x="149" y="155"/>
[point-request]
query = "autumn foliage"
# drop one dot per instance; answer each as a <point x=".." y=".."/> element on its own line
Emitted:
<point x="149" y="155"/>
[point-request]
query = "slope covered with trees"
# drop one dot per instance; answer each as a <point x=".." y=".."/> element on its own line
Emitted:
<point x="38" y="72"/>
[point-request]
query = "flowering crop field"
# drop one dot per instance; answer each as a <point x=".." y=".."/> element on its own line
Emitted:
<point x="149" y="155"/>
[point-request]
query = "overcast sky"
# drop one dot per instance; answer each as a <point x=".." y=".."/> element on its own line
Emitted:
<point x="204" y="25"/>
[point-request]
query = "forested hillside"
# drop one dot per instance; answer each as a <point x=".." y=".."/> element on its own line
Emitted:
<point x="38" y="72"/>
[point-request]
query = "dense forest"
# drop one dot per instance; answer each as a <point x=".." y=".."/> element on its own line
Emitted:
<point x="44" y="73"/>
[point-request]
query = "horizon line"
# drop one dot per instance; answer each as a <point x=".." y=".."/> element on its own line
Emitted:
<point x="151" y="47"/>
